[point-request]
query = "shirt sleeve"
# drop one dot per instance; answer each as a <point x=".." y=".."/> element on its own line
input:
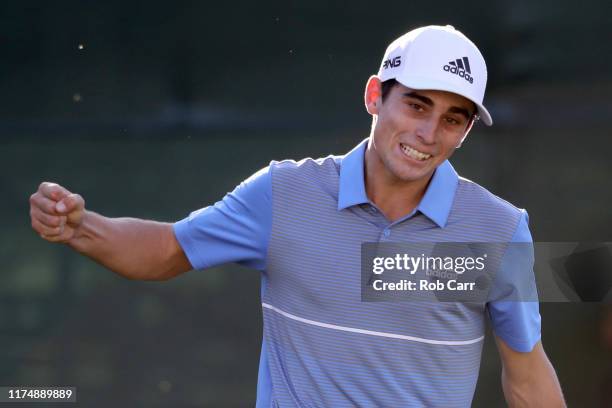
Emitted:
<point x="515" y="315"/>
<point x="235" y="229"/>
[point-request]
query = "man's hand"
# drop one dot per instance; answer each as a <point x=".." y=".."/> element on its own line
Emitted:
<point x="55" y="212"/>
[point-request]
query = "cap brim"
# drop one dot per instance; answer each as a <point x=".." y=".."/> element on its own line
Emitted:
<point x="424" y="84"/>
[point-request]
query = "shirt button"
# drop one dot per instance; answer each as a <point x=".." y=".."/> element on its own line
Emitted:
<point x="386" y="232"/>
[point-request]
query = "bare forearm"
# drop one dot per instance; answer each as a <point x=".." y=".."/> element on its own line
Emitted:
<point x="539" y="393"/>
<point x="133" y="248"/>
<point x="533" y="386"/>
<point x="136" y="249"/>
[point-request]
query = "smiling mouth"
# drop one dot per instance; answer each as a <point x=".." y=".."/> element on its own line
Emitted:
<point x="413" y="153"/>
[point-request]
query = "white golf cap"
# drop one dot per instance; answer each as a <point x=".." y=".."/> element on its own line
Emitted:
<point x="438" y="58"/>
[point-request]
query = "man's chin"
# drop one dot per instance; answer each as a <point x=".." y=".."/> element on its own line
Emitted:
<point x="415" y="177"/>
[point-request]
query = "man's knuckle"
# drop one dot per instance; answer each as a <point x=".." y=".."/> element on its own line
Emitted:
<point x="57" y="238"/>
<point x="52" y="221"/>
<point x="50" y="232"/>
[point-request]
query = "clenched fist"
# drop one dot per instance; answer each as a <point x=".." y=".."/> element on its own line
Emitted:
<point x="56" y="213"/>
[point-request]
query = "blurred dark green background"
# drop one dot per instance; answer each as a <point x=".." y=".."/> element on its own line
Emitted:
<point x="154" y="109"/>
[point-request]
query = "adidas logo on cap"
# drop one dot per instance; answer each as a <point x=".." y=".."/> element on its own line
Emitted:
<point x="461" y="67"/>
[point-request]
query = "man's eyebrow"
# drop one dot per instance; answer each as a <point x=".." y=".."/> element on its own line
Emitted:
<point x="427" y="101"/>
<point x="421" y="98"/>
<point x="461" y="111"/>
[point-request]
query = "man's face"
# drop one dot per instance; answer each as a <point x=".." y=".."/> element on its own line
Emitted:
<point x="414" y="131"/>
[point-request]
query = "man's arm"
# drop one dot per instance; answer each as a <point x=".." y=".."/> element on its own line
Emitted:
<point x="133" y="248"/>
<point x="528" y="379"/>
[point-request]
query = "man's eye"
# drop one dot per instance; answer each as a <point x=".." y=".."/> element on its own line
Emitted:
<point x="452" y="121"/>
<point x="416" y="107"/>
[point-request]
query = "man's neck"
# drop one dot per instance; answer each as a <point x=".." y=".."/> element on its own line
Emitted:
<point x="394" y="197"/>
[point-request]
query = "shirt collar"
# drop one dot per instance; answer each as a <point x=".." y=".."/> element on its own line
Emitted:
<point x="435" y="204"/>
<point x="352" y="181"/>
<point x="438" y="199"/>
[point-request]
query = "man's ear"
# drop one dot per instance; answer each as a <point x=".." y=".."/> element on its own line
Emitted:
<point x="373" y="95"/>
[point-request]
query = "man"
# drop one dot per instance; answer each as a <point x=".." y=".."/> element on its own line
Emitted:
<point x="302" y="224"/>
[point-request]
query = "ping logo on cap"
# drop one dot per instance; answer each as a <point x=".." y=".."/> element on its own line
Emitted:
<point x="392" y="63"/>
<point x="461" y="67"/>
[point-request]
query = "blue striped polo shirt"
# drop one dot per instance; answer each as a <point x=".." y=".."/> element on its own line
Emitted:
<point x="302" y="224"/>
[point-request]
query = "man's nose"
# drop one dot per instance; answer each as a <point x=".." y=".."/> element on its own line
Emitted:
<point x="426" y="130"/>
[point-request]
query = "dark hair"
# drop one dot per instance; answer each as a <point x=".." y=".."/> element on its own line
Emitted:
<point x="387" y="86"/>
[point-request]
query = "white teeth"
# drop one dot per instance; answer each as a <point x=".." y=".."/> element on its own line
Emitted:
<point x="415" y="154"/>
